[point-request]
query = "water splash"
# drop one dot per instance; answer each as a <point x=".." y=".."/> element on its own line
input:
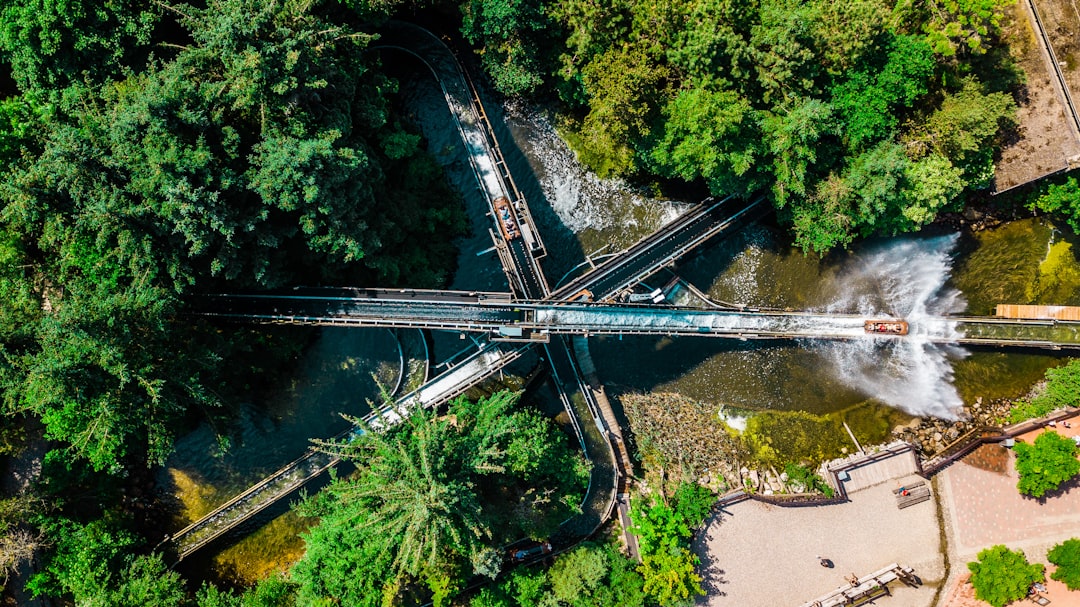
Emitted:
<point x="905" y="278"/>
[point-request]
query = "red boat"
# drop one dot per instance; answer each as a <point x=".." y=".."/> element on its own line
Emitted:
<point x="886" y="327"/>
<point x="505" y="216"/>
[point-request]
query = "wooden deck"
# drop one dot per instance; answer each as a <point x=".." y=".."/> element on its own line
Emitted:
<point x="1069" y="313"/>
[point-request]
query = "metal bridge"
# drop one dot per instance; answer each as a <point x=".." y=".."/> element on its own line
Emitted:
<point x="532" y="313"/>
<point x="500" y="318"/>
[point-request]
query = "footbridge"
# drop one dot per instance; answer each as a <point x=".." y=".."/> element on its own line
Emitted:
<point x="536" y="321"/>
<point x="461" y="376"/>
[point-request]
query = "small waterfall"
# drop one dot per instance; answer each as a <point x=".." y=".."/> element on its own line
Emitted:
<point x="904" y="278"/>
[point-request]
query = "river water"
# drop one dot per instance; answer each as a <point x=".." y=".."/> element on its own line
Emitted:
<point x="579" y="215"/>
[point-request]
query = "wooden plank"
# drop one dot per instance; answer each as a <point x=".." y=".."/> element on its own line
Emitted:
<point x="1069" y="313"/>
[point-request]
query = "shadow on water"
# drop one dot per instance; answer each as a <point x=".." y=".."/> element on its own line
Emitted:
<point x="337" y="374"/>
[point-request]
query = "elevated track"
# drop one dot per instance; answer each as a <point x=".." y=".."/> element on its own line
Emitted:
<point x="536" y="321"/>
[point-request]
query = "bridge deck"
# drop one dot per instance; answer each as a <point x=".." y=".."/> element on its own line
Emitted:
<point x="669" y="243"/>
<point x="468" y="312"/>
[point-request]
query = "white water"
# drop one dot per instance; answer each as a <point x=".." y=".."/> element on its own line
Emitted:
<point x="905" y="278"/>
<point x="582" y="200"/>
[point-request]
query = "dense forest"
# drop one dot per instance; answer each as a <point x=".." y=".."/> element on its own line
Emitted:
<point x="152" y="151"/>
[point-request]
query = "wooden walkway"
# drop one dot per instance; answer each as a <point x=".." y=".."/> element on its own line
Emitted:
<point x="1067" y="313"/>
<point x="867" y="588"/>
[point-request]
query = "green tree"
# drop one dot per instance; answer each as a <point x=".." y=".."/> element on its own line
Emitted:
<point x="1066" y="556"/>
<point x="1046" y="464"/>
<point x="783" y="48"/>
<point x="94" y="565"/>
<point x="709" y="135"/>
<point x="792" y="137"/>
<point x="48" y="43"/>
<point x="1001" y="575"/>
<point x="424" y="505"/>
<point x="511" y="33"/>
<point x="870" y="100"/>
<point x="963" y="24"/>
<point x="932" y="185"/>
<point x="1061" y="199"/>
<point x="664" y="534"/>
<point x="624" y="86"/>
<point x="576" y="575"/>
<point x="964" y="130"/>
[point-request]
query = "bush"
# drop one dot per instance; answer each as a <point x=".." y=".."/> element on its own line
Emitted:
<point x="1062" y="390"/>
<point x="1045" y="465"/>
<point x="802" y="476"/>
<point x="1066" y="556"/>
<point x="1001" y="575"/>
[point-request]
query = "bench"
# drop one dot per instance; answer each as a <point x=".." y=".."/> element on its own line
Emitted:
<point x="915" y="495"/>
<point x="909" y="487"/>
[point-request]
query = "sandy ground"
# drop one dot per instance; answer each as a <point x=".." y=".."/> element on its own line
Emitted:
<point x="756" y="554"/>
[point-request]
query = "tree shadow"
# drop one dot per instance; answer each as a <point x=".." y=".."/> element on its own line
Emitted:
<point x="712" y="574"/>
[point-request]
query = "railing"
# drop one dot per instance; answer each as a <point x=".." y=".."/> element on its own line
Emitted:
<point x="1069" y="106"/>
<point x="984" y="435"/>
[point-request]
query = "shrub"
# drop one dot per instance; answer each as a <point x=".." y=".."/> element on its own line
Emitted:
<point x="801" y="475"/>
<point x="1046" y="464"/>
<point x="1066" y="556"/>
<point x="1001" y="575"/>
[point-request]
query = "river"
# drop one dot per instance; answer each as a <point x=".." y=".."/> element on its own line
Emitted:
<point x="579" y="215"/>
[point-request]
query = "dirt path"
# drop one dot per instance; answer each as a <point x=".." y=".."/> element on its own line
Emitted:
<point x="1046" y="142"/>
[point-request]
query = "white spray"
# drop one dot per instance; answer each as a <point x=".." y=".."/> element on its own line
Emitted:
<point x="902" y="279"/>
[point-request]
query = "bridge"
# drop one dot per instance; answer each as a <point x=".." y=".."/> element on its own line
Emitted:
<point x="504" y="319"/>
<point x="461" y="376"/>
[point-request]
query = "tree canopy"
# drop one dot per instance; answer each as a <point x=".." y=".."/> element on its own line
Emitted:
<point x="1002" y="576"/>
<point x="430" y="501"/>
<point x="855" y="118"/>
<point x="257" y="148"/>
<point x="1066" y="556"/>
<point x="1046" y="464"/>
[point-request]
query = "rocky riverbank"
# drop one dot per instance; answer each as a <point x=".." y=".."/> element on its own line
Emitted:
<point x="933" y="435"/>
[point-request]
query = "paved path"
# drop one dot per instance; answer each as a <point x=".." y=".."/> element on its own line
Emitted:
<point x="761" y="555"/>
<point x="982" y="507"/>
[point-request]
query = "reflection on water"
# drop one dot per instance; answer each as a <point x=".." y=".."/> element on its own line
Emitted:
<point x="336" y="375"/>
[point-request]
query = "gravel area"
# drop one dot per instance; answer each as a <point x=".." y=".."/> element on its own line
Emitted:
<point x="755" y="554"/>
